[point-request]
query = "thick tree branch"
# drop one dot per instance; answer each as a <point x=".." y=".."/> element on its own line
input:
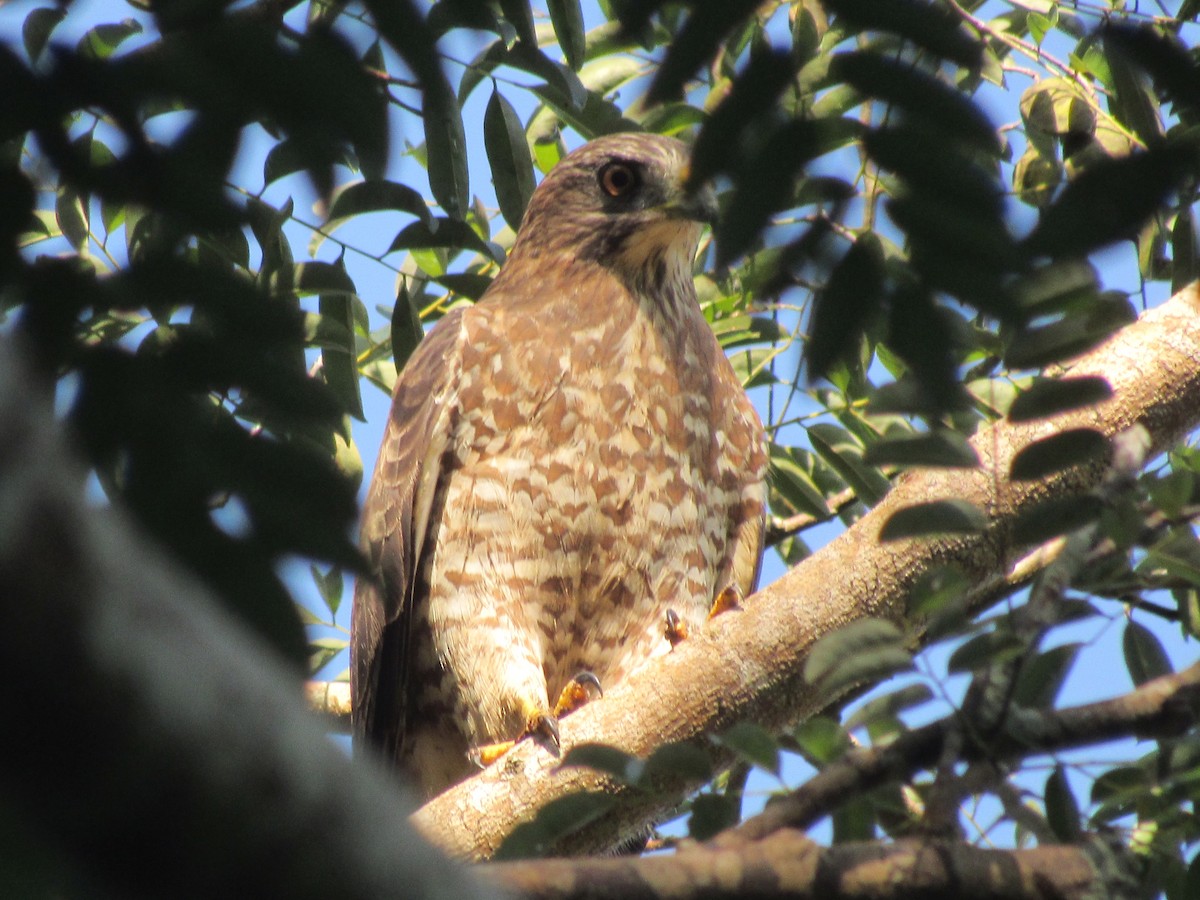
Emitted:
<point x="152" y="741"/>
<point x="789" y="865"/>
<point x="749" y="665"/>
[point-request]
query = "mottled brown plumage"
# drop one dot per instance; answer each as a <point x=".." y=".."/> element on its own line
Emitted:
<point x="565" y="461"/>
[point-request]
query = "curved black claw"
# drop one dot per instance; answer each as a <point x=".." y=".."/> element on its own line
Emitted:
<point x="589" y="679"/>
<point x="544" y="726"/>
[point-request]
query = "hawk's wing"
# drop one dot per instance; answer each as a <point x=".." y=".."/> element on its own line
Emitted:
<point x="408" y="474"/>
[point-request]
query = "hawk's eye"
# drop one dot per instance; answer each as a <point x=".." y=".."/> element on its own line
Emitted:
<point x="619" y="179"/>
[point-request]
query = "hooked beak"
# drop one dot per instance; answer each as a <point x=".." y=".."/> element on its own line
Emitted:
<point x="698" y="204"/>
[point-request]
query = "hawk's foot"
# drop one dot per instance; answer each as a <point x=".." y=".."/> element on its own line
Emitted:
<point x="676" y="631"/>
<point x="542" y="724"/>
<point x="729" y="599"/>
<point x="579" y="691"/>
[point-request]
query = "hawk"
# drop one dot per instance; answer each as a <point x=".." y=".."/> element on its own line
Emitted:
<point x="569" y="465"/>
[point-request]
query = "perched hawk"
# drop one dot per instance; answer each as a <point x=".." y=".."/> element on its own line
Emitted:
<point x="566" y="461"/>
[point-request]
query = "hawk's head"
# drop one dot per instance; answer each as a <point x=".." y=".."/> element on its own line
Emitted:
<point x="620" y="201"/>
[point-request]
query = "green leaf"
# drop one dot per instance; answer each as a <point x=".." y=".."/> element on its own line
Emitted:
<point x="446" y="148"/>
<point x="554" y="821"/>
<point x="339" y="364"/>
<point x="822" y="740"/>
<point x="330" y="586"/>
<point x="932" y="518"/>
<point x="1062" y="809"/>
<point x="1073" y="447"/>
<point x="509" y="157"/>
<point x="854" y="821"/>
<point x="1051" y="396"/>
<point x="100" y="42"/>
<point x="1145" y="658"/>
<point x="711" y="814"/>
<point x="72" y="215"/>
<point x="988" y="649"/>
<point x="694" y="44"/>
<point x="35" y="31"/>
<point x="1070" y="336"/>
<point x="795" y="483"/>
<point x="322" y="650"/>
<point x="865" y="651"/>
<point x="406" y="330"/>
<point x="941" y="448"/>
<point x="567" y="18"/>
<point x="754" y="744"/>
<point x="1042" y="676"/>
<point x="845" y="456"/>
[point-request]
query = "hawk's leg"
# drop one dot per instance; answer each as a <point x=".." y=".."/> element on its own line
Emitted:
<point x="541" y="723"/>
<point x="729" y="598"/>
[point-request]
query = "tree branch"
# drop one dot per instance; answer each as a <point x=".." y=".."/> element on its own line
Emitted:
<point x="748" y="665"/>
<point x="789" y="865"/>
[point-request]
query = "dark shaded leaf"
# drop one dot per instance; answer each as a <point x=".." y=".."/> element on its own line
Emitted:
<point x="1145" y="657"/>
<point x="844" y="308"/>
<point x="446" y="149"/>
<point x="754" y="91"/>
<point x="1185" y="256"/>
<point x="889" y="706"/>
<point x="438" y="232"/>
<point x="924" y="98"/>
<point x="929" y="26"/>
<point x="1075" y="446"/>
<point x="374" y="196"/>
<point x="1042" y="676"/>
<point x="330" y="586"/>
<point x="1071" y="335"/>
<point x="1163" y="57"/>
<point x="939" y="448"/>
<point x="406" y="327"/>
<point x="1111" y="200"/>
<point x="694" y="44"/>
<point x="1053" y="517"/>
<point x="520" y="15"/>
<point x="864" y="652"/>
<point x="754" y="744"/>
<point x="854" y="821"/>
<point x="1052" y="396"/>
<point x="711" y="814"/>
<point x="679" y="760"/>
<point x="1062" y="809"/>
<point x="933" y="166"/>
<point x="1056" y="286"/>
<point x="72" y="215"/>
<point x="36" y="28"/>
<point x="567" y="18"/>
<point x="923" y="336"/>
<point x="554" y="821"/>
<point x="509" y="157"/>
<point x="603" y="758"/>
<point x="466" y="284"/>
<point x="933" y="518"/>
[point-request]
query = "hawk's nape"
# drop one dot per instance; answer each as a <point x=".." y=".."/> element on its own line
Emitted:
<point x="565" y="462"/>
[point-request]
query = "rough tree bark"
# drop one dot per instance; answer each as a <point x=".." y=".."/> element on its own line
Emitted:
<point x="748" y="665"/>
